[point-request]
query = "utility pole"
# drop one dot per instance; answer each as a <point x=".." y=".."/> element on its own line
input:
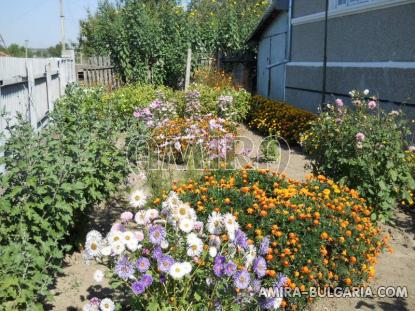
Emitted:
<point x="62" y="27"/>
<point x="188" y="68"/>
<point x="26" y="44"/>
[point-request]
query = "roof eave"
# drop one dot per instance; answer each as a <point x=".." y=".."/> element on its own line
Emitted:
<point x="272" y="11"/>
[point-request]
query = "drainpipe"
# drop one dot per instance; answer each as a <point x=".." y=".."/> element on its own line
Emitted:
<point x="289" y="40"/>
<point x="323" y="91"/>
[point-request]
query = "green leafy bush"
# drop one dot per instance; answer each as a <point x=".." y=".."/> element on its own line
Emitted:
<point x="52" y="179"/>
<point x="363" y="147"/>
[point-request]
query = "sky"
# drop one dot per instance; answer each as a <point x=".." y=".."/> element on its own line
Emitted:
<point x="38" y="20"/>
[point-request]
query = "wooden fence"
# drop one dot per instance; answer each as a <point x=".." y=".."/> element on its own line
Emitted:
<point x="97" y="70"/>
<point x="31" y="86"/>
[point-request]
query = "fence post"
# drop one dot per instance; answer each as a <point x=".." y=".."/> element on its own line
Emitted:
<point x="49" y="86"/>
<point x="33" y="117"/>
<point x="188" y="68"/>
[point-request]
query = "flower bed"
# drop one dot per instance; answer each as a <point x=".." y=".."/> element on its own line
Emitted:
<point x="207" y="136"/>
<point x="168" y="259"/>
<point x="363" y="147"/>
<point x="319" y="233"/>
<point x="278" y="118"/>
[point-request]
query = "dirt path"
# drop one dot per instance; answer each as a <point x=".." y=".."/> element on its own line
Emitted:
<point x="76" y="284"/>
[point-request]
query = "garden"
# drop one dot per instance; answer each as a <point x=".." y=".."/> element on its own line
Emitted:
<point x="148" y="197"/>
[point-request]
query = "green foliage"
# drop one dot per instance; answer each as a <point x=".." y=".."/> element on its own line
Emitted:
<point x="209" y="98"/>
<point x="148" y="40"/>
<point x="53" y="177"/>
<point x="124" y="101"/>
<point x="363" y="148"/>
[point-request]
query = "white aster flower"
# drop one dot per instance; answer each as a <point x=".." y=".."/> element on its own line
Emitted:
<point x="195" y="247"/>
<point x="138" y="198"/>
<point x="250" y="256"/>
<point x="141" y="218"/>
<point x="94" y="235"/>
<point x="130" y="240"/>
<point x="231" y="225"/>
<point x="98" y="276"/>
<point x="186" y="225"/>
<point x="366" y="92"/>
<point x="187" y="267"/>
<point x="139" y="235"/>
<point x="164" y="244"/>
<point x="176" y="271"/>
<point x="115" y="236"/>
<point x="213" y="251"/>
<point x="93" y="247"/>
<point x="214" y="225"/>
<point x="106" y="250"/>
<point x="107" y="305"/>
<point x="118" y="247"/>
<point x="152" y="214"/>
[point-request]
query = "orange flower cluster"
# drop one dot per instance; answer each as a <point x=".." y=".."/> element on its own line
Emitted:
<point x="278" y="118"/>
<point x="321" y="233"/>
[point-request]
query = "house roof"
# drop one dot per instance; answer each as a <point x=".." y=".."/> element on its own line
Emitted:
<point x="272" y="11"/>
<point x="3" y="54"/>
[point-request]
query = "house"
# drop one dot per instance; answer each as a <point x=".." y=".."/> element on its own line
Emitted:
<point x="3" y="54"/>
<point x="312" y="51"/>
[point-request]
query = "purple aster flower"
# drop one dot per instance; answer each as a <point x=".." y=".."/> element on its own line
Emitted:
<point x="163" y="278"/>
<point x="241" y="279"/>
<point x="219" y="260"/>
<point x="256" y="285"/>
<point x="146" y="251"/>
<point x="157" y="234"/>
<point x="218" y="269"/>
<point x="260" y="266"/>
<point x="143" y="264"/>
<point x="147" y="280"/>
<point x="164" y="263"/>
<point x="157" y="253"/>
<point x="241" y="239"/>
<point x="267" y="303"/>
<point x="230" y="268"/>
<point x="124" y="268"/>
<point x="282" y="278"/>
<point x="138" y="287"/>
<point x="263" y="248"/>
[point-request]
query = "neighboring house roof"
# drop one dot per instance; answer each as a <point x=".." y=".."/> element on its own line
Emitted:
<point x="3" y="54"/>
<point x="272" y="11"/>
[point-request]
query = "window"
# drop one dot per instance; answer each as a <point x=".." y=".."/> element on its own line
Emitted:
<point x="346" y="3"/>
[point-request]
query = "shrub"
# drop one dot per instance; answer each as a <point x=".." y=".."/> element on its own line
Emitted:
<point x="214" y="78"/>
<point x="168" y="259"/>
<point x="206" y="136"/>
<point x="213" y="100"/>
<point x="127" y="99"/>
<point x="363" y="147"/>
<point x="52" y="178"/>
<point x="320" y="233"/>
<point x="278" y="118"/>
